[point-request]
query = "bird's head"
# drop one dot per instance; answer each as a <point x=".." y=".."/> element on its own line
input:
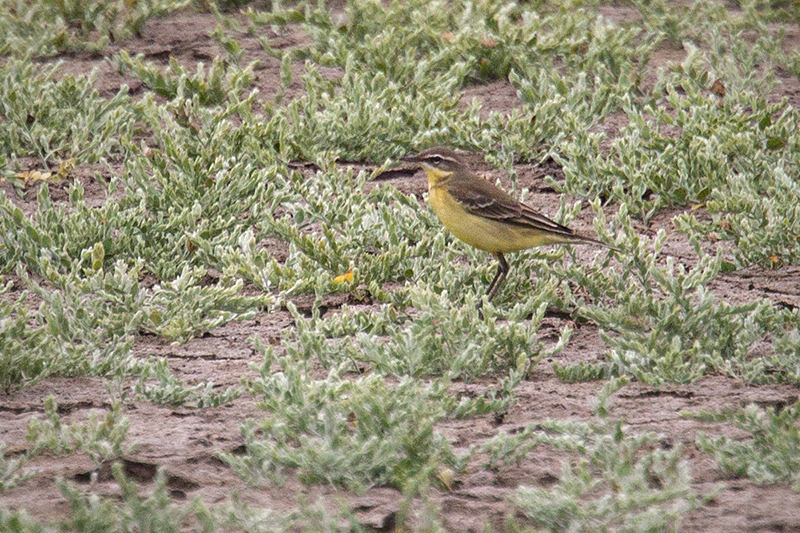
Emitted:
<point x="438" y="163"/>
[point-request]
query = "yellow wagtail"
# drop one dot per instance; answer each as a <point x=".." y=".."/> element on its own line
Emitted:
<point x="483" y="215"/>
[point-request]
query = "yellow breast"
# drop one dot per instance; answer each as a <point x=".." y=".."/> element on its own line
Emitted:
<point x="483" y="233"/>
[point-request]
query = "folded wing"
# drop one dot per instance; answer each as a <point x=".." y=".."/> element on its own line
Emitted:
<point x="481" y="198"/>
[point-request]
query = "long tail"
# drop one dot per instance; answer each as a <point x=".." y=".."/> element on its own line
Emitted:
<point x="583" y="239"/>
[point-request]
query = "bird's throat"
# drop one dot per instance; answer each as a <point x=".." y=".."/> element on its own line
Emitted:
<point x="436" y="177"/>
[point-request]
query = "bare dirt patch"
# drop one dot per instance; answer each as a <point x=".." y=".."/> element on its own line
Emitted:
<point x="185" y="441"/>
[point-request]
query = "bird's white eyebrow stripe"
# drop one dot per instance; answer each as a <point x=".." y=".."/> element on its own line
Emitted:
<point x="440" y="156"/>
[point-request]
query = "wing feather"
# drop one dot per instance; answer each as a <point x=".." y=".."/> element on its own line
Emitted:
<point x="481" y="198"/>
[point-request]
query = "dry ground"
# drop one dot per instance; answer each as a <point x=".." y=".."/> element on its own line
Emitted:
<point x="184" y="441"/>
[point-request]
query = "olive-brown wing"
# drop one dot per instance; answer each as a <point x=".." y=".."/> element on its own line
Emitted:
<point x="481" y="198"/>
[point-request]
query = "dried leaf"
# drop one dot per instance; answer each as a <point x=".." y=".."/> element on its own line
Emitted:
<point x="344" y="278"/>
<point x="32" y="176"/>
<point x="718" y="88"/>
<point x="64" y="169"/>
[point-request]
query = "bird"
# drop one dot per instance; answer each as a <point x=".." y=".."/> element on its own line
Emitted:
<point x="484" y="216"/>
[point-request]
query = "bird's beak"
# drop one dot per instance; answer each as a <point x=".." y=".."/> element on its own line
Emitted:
<point x="403" y="171"/>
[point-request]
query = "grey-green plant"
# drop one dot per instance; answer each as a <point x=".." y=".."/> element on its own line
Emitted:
<point x="614" y="480"/>
<point x="232" y="46"/>
<point x="491" y="37"/>
<point x="675" y="26"/>
<point x="17" y="340"/>
<point x="651" y="168"/>
<point x="380" y="235"/>
<point x="89" y="318"/>
<point x="355" y="432"/>
<point x="582" y="371"/>
<point x="21" y="522"/>
<point x="202" y="177"/>
<point x="158" y="511"/>
<point x="171" y="390"/>
<point x="662" y="324"/>
<point x="333" y="115"/>
<point x="388" y="89"/>
<point x="439" y="334"/>
<point x="641" y="488"/>
<point x="757" y="213"/>
<point x="13" y="471"/>
<point x="221" y="84"/>
<point x="48" y="27"/>
<point x="771" y="454"/>
<point x="55" y="117"/>
<point x="101" y="437"/>
<point x="68" y="334"/>
<point x="685" y="142"/>
<point x="155" y="512"/>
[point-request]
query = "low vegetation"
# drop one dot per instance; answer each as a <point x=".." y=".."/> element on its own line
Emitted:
<point x="200" y="170"/>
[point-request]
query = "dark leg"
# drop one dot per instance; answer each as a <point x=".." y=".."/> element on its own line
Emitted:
<point x="497" y="275"/>
<point x="499" y="278"/>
